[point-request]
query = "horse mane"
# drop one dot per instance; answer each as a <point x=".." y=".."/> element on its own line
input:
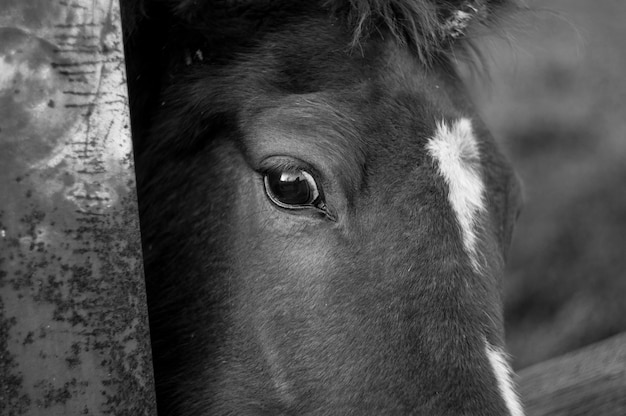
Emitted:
<point x="428" y="27"/>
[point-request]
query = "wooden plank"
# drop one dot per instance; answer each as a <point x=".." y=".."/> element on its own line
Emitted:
<point x="591" y="381"/>
<point x="73" y="320"/>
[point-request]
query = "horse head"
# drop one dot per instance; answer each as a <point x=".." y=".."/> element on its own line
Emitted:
<point x="325" y="218"/>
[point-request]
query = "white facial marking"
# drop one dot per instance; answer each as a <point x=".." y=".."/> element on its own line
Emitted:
<point x="502" y="372"/>
<point x="456" y="152"/>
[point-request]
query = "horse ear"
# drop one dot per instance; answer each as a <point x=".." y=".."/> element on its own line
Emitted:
<point x="428" y="26"/>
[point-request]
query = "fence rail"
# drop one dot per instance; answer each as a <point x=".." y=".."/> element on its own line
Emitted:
<point x="590" y="382"/>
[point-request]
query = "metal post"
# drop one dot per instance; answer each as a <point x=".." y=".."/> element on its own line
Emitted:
<point x="73" y="323"/>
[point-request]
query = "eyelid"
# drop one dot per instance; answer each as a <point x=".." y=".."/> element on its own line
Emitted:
<point x="280" y="162"/>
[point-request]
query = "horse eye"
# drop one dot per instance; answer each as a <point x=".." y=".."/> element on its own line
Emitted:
<point x="292" y="189"/>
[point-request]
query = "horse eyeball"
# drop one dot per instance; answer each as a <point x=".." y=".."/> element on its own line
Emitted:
<point x="292" y="189"/>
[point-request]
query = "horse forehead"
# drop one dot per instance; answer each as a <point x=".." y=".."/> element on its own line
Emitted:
<point x="314" y="125"/>
<point x="343" y="137"/>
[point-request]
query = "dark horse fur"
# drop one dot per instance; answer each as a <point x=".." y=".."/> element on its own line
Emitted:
<point x="368" y="304"/>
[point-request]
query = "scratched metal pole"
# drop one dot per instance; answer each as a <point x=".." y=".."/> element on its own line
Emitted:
<point x="73" y="322"/>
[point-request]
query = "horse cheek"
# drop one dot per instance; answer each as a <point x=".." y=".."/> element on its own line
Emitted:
<point x="280" y="298"/>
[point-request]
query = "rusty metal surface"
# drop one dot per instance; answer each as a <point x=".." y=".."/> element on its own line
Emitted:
<point x="73" y="321"/>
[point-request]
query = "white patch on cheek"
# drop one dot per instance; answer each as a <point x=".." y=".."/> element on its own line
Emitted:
<point x="456" y="152"/>
<point x="502" y="371"/>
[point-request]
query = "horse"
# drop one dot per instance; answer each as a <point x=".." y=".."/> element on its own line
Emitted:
<point x="324" y="216"/>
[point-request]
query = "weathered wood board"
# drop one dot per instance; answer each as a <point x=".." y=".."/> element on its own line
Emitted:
<point x="591" y="381"/>
<point x="73" y="323"/>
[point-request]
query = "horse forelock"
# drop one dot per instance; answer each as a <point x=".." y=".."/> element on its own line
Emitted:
<point x="430" y="28"/>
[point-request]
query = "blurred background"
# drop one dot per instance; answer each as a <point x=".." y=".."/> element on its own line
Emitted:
<point x="556" y="99"/>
